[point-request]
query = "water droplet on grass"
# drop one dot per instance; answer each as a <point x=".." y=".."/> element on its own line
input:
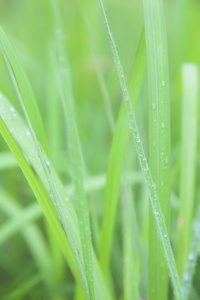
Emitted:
<point x="162" y="125"/>
<point x="12" y="108"/>
<point x="163" y="83"/>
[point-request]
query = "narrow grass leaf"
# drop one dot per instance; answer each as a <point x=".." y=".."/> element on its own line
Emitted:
<point x="64" y="78"/>
<point x="25" y="89"/>
<point x="190" y="82"/>
<point x="117" y="154"/>
<point x="162" y="229"/>
<point x="130" y="251"/>
<point x="159" y="138"/>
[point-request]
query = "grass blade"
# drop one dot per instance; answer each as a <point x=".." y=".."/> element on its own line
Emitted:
<point x="116" y="157"/>
<point x="163" y="233"/>
<point x="25" y="89"/>
<point x="64" y="77"/>
<point x="190" y="80"/>
<point x="159" y="138"/>
<point x="39" y="191"/>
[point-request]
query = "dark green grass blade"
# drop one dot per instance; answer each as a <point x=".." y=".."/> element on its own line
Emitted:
<point x="159" y="138"/>
<point x="116" y="157"/>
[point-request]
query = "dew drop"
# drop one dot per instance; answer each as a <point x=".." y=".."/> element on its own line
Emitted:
<point x="162" y="125"/>
<point x="163" y="83"/>
<point x="156" y="212"/>
<point x="167" y="160"/>
<point x="12" y="108"/>
<point x="153" y="105"/>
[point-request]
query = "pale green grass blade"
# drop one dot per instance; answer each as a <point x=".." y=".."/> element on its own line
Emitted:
<point x="103" y="86"/>
<point x="11" y="227"/>
<point x="159" y="137"/>
<point x="65" y="83"/>
<point x="116" y="157"/>
<point x="7" y="160"/>
<point x="130" y="257"/>
<point x="32" y="235"/>
<point x="190" y="83"/>
<point x="21" y="134"/>
<point x="25" y="89"/>
<point x="162" y="229"/>
<point x="193" y="256"/>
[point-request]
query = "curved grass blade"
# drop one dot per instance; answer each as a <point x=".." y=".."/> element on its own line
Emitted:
<point x="117" y="154"/>
<point x="64" y="77"/>
<point x="159" y="138"/>
<point x="25" y="89"/>
<point x="37" y="188"/>
<point x="163" y="233"/>
<point x="21" y="134"/>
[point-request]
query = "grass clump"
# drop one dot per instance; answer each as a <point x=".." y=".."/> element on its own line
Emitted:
<point x="89" y="235"/>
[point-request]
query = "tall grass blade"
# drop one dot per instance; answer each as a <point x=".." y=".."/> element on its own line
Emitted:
<point x="117" y="154"/>
<point x="190" y="83"/>
<point x="162" y="229"/>
<point x="159" y="138"/>
<point x="64" y="78"/>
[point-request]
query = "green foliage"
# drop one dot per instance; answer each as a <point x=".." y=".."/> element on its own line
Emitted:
<point x="83" y="151"/>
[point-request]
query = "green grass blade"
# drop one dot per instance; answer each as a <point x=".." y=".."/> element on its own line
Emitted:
<point x="11" y="227"/>
<point x="32" y="235"/>
<point x="162" y="229"/>
<point x="103" y="86"/>
<point x="36" y="187"/>
<point x="159" y="138"/>
<point x="192" y="257"/>
<point x="190" y="82"/>
<point x="131" y="257"/>
<point x="64" y="78"/>
<point x="117" y="154"/>
<point x="21" y="134"/>
<point x="25" y="89"/>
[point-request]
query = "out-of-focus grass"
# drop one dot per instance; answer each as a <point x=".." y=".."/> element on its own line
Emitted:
<point x="36" y="268"/>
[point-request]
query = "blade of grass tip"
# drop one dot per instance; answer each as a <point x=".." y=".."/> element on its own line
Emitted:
<point x="159" y="138"/>
<point x="21" y="135"/>
<point x="190" y="82"/>
<point x="25" y="89"/>
<point x="64" y="77"/>
<point x="103" y="86"/>
<point x="117" y="154"/>
<point x="193" y="256"/>
<point x="58" y="203"/>
<point x="163" y="233"/>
